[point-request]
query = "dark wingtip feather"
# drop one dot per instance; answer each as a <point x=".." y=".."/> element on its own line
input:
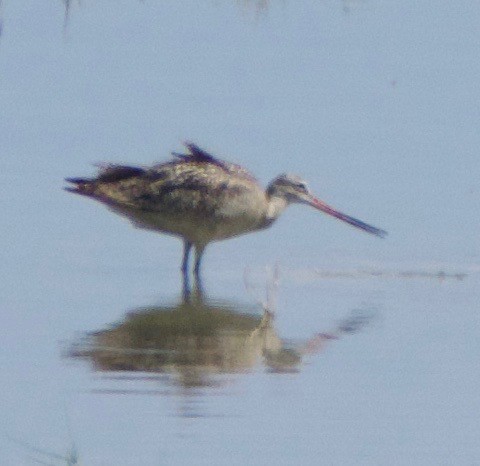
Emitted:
<point x="113" y="173"/>
<point x="197" y="154"/>
<point x="77" y="180"/>
<point x="76" y="190"/>
<point x="82" y="186"/>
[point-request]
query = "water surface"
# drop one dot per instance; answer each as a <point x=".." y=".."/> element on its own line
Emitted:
<point x="363" y="351"/>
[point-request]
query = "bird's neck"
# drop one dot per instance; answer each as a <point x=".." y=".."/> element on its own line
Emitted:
<point x="276" y="205"/>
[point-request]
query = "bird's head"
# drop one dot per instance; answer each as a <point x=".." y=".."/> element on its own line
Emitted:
<point x="293" y="189"/>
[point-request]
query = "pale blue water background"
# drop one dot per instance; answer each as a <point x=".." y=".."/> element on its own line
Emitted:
<point x="376" y="104"/>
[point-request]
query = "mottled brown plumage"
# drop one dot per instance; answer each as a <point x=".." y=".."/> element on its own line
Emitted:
<point x="198" y="198"/>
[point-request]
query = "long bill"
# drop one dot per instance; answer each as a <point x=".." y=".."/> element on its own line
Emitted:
<point x="320" y="205"/>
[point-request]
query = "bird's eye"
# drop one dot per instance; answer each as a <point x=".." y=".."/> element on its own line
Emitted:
<point x="302" y="187"/>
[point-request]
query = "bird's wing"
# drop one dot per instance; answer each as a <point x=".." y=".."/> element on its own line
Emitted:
<point x="196" y="180"/>
<point x="108" y="182"/>
<point x="198" y="155"/>
<point x="188" y="186"/>
<point x="110" y="173"/>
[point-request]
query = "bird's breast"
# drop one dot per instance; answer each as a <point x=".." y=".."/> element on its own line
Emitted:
<point x="202" y="217"/>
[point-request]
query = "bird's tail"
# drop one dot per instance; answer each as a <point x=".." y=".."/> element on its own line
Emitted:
<point x="83" y="186"/>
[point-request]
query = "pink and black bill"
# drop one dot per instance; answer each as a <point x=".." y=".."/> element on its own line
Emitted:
<point x="320" y="205"/>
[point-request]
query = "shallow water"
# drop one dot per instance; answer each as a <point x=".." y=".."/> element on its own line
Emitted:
<point x="310" y="342"/>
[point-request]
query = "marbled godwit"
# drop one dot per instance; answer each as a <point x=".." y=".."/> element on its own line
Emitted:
<point x="199" y="199"/>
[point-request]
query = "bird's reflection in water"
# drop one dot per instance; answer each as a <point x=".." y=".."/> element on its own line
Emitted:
<point x="191" y="342"/>
<point x="195" y="344"/>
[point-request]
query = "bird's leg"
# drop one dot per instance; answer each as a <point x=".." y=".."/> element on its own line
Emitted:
<point x="198" y="258"/>
<point x="197" y="292"/>
<point x="186" y="291"/>
<point x="184" y="268"/>
<point x="186" y="253"/>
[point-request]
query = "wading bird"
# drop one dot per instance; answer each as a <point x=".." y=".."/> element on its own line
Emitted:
<point x="200" y="199"/>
